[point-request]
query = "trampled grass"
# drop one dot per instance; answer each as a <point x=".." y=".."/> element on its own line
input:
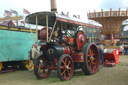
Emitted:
<point x="117" y="75"/>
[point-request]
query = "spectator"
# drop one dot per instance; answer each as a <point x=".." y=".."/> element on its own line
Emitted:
<point x="34" y="54"/>
<point x="101" y="52"/>
<point x="122" y="48"/>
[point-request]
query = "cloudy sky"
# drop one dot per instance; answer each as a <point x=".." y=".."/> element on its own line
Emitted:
<point x="77" y="7"/>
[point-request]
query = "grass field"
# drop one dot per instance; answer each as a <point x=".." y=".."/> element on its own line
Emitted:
<point x="117" y="75"/>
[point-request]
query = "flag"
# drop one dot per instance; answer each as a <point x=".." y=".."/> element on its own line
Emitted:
<point x="23" y="22"/>
<point x="7" y="13"/>
<point x="26" y="11"/>
<point x="13" y="11"/>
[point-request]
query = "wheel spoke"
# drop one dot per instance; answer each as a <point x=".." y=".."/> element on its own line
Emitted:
<point x="68" y="72"/>
<point x="93" y="66"/>
<point x="42" y="68"/>
<point x="63" y="62"/>
<point x="94" y="59"/>
<point x="89" y="55"/>
<point x="61" y="67"/>
<point x="89" y="60"/>
<point x="90" y="51"/>
<point x="89" y="65"/>
<point x="69" y="68"/>
<point x="64" y="75"/>
<point x="44" y="62"/>
<point x="65" y="67"/>
<point x="93" y="63"/>
<point x="93" y="54"/>
<point x="69" y="63"/>
<point x="63" y="72"/>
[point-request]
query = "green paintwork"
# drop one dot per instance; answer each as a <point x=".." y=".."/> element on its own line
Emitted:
<point x="15" y="45"/>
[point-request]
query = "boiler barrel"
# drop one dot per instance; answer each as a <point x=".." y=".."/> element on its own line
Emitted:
<point x="56" y="51"/>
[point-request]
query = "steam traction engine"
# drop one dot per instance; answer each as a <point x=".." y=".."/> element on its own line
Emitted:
<point x="63" y="45"/>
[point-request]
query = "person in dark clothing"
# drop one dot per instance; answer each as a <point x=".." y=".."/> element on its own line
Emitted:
<point x="101" y="52"/>
<point x="60" y="36"/>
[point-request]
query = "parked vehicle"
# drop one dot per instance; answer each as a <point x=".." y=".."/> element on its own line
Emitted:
<point x="15" y="43"/>
<point x="63" y="45"/>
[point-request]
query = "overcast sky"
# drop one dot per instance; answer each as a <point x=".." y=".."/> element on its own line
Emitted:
<point x="77" y="7"/>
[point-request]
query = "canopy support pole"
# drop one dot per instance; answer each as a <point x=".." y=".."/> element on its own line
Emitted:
<point x="47" y="27"/>
<point x="37" y="28"/>
<point x="52" y="31"/>
<point x="32" y="32"/>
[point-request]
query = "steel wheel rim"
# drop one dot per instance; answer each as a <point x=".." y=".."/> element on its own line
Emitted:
<point x="43" y="68"/>
<point x="66" y="68"/>
<point x="92" y="59"/>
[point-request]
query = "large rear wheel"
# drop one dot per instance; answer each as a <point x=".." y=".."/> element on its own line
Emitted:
<point x="91" y="59"/>
<point x="42" y="67"/>
<point x="65" y="67"/>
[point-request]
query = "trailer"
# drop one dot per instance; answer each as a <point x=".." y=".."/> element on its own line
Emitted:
<point x="15" y="43"/>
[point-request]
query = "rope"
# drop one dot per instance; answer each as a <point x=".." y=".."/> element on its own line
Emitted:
<point x="32" y="33"/>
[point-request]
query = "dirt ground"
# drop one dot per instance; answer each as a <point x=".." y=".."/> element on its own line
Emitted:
<point x="117" y="75"/>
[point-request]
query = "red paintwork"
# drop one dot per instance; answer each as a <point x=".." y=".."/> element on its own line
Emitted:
<point x="53" y="67"/>
<point x="65" y="38"/>
<point x="70" y="40"/>
<point x="66" y="50"/>
<point x="43" y="33"/>
<point x="80" y="40"/>
<point x="109" y="64"/>
<point x="112" y="57"/>
<point x="78" y="57"/>
<point x="66" y="68"/>
<point x="55" y="61"/>
<point x="93" y="58"/>
<point x="5" y="71"/>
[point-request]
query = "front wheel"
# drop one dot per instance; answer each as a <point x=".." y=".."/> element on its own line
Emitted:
<point x="91" y="59"/>
<point x="65" y="67"/>
<point x="42" y="67"/>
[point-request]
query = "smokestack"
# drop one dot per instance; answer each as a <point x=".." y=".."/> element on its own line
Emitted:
<point x="53" y="6"/>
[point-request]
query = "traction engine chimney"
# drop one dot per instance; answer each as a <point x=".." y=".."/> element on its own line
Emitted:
<point x="53" y="6"/>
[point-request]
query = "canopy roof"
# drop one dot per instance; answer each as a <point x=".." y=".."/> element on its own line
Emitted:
<point x="52" y="17"/>
<point x="111" y="20"/>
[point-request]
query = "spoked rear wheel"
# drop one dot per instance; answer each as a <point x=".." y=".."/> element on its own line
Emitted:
<point x="91" y="59"/>
<point x="42" y="67"/>
<point x="65" y="67"/>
